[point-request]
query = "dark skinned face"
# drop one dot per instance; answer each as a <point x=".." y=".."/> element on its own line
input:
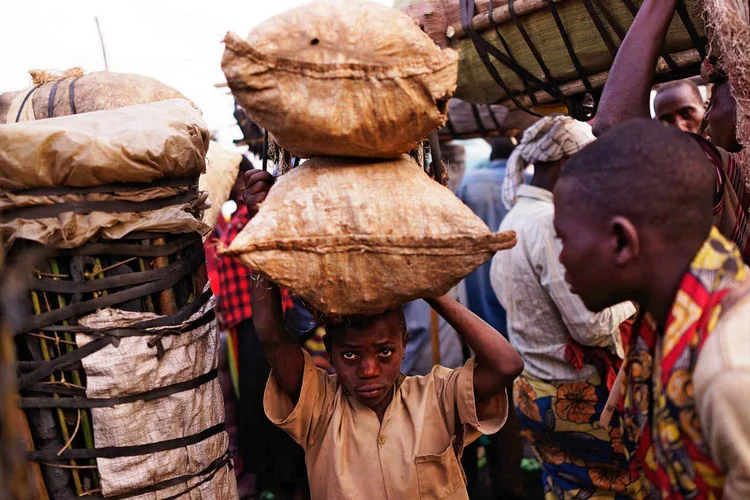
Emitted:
<point x="680" y="107"/>
<point x="722" y="119"/>
<point x="368" y="360"/>
<point x="587" y="251"/>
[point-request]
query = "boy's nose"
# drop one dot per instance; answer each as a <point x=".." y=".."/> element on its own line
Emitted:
<point x="369" y="368"/>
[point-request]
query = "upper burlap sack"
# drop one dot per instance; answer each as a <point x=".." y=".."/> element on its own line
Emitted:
<point x="342" y="78"/>
<point x="76" y="93"/>
<point x="361" y="237"/>
<point x="140" y="144"/>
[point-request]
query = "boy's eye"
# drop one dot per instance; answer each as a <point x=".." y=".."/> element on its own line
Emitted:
<point x="386" y="352"/>
<point x="349" y="356"/>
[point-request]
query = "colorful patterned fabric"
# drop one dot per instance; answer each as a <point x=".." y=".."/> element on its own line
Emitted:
<point x="580" y="459"/>
<point x="663" y="431"/>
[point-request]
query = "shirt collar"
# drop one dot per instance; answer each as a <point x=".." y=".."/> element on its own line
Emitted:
<point x="535" y="193"/>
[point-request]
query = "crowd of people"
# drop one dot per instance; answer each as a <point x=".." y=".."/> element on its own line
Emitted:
<point x="614" y="337"/>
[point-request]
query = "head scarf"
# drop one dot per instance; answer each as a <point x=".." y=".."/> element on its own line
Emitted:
<point x="550" y="139"/>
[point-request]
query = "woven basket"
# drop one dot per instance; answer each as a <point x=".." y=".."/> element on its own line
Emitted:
<point x="594" y="29"/>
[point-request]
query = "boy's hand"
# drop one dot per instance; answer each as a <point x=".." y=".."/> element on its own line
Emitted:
<point x="257" y="185"/>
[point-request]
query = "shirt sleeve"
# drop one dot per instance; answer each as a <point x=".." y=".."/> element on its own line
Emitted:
<point x="721" y="382"/>
<point x="306" y="421"/>
<point x="725" y="418"/>
<point x="455" y="393"/>
<point x="587" y="328"/>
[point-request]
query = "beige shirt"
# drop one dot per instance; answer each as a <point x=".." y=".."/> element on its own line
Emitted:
<point x="722" y="388"/>
<point x="529" y="282"/>
<point x="413" y="454"/>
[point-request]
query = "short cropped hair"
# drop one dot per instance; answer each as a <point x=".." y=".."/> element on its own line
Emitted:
<point x="691" y="85"/>
<point x="337" y="325"/>
<point x="650" y="173"/>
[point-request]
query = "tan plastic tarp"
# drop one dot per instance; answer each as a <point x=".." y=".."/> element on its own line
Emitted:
<point x="133" y="368"/>
<point x="359" y="237"/>
<point x="341" y="78"/>
<point x="140" y="143"/>
<point x="222" y="168"/>
<point x="70" y="230"/>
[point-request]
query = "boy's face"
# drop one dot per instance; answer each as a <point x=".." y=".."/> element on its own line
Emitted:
<point x="368" y="359"/>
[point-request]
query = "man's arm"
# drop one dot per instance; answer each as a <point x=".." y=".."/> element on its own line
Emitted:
<point x="284" y="355"/>
<point x="497" y="363"/>
<point x="592" y="329"/>
<point x="626" y="94"/>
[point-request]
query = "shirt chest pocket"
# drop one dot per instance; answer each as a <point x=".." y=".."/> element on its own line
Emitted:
<point x="440" y="476"/>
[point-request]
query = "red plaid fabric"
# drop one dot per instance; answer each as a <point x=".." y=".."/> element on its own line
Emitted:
<point x="233" y="279"/>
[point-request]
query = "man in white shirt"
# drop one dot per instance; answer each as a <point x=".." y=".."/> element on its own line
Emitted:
<point x="562" y="391"/>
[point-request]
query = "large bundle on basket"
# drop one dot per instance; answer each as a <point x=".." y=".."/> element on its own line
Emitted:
<point x="117" y="343"/>
<point x="530" y="52"/>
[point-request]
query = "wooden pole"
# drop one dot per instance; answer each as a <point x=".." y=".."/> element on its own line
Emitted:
<point x="101" y="42"/>
<point x="500" y="14"/>
<point x="435" y="335"/>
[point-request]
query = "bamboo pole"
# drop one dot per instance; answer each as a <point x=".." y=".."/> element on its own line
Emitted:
<point x="500" y="14"/>
<point x="46" y="355"/>
<point x="167" y="301"/>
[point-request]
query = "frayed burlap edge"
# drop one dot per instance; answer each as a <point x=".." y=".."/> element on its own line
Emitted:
<point x="729" y="24"/>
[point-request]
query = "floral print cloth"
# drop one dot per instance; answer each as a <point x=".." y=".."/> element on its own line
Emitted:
<point x="580" y="459"/>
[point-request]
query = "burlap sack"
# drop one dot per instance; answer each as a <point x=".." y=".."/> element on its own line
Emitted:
<point x="222" y="168"/>
<point x="135" y="144"/>
<point x="101" y="90"/>
<point x="133" y="367"/>
<point x="360" y="237"/>
<point x="342" y="78"/>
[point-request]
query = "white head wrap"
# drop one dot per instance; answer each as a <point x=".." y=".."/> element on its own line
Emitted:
<point x="550" y="139"/>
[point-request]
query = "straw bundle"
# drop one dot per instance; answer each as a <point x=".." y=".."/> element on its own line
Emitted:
<point x="729" y="23"/>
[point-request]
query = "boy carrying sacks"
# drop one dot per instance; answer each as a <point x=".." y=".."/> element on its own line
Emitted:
<point x="371" y="432"/>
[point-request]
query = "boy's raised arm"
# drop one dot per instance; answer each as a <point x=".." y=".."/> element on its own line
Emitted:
<point x="283" y="353"/>
<point x="497" y="363"/>
<point x="626" y="94"/>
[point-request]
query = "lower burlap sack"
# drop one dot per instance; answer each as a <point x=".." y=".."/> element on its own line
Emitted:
<point x="359" y="237"/>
